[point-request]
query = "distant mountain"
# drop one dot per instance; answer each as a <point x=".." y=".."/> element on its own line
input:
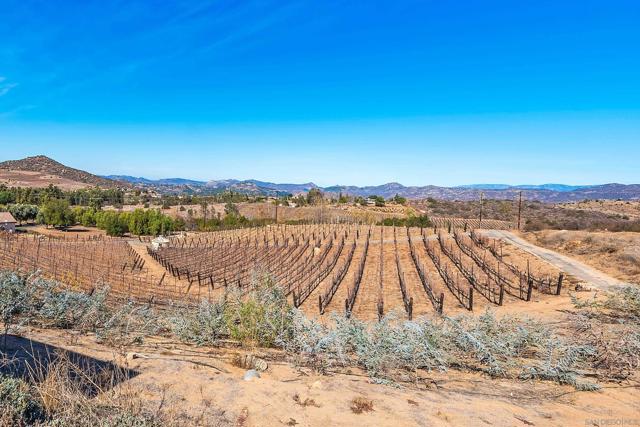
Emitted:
<point x="164" y="181"/>
<point x="543" y="192"/>
<point x="288" y="188"/>
<point x="39" y="171"/>
<point x="606" y="191"/>
<point x="552" y="187"/>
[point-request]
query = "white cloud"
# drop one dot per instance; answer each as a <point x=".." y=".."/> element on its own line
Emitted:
<point x="7" y="87"/>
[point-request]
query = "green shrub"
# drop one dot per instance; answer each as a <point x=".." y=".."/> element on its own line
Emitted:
<point x="262" y="317"/>
<point x="18" y="406"/>
<point x="202" y="326"/>
<point x="15" y="299"/>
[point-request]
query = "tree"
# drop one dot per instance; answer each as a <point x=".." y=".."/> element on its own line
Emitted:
<point x="88" y="217"/>
<point x="379" y="200"/>
<point x="23" y="212"/>
<point x="399" y="199"/>
<point x="114" y="226"/>
<point x="299" y="200"/>
<point x="315" y="196"/>
<point x="204" y="206"/>
<point x="139" y="222"/>
<point x="6" y="197"/>
<point x="231" y="209"/>
<point x="57" y="213"/>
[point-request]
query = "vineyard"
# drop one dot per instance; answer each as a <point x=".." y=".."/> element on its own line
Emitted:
<point x="359" y="270"/>
<point x="470" y="223"/>
<point x="89" y="264"/>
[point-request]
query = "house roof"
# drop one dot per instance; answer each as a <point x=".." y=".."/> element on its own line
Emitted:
<point x="6" y="217"/>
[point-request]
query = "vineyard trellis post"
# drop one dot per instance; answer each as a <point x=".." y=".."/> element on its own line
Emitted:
<point x="560" y="279"/>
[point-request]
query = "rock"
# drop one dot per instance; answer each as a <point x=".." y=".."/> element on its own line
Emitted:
<point x="582" y="287"/>
<point x="251" y="374"/>
<point x="132" y="356"/>
<point x="316" y="384"/>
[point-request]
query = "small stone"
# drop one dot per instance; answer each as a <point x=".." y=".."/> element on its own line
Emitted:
<point x="316" y="384"/>
<point x="251" y="374"/>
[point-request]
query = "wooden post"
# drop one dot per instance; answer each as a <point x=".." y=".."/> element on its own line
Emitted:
<point x="470" y="298"/>
<point x="441" y="303"/>
<point x="529" y="288"/>
<point x="519" y="210"/>
<point x="481" y="206"/>
<point x="560" y="278"/>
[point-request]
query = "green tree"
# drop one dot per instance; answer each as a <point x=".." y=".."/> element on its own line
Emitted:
<point x="57" y="213"/>
<point x="399" y="199"/>
<point x="24" y="212"/>
<point x="231" y="209"/>
<point x="315" y="196"/>
<point x="6" y="197"/>
<point x="88" y="217"/>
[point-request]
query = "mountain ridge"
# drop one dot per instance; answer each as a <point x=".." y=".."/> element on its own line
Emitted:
<point x="46" y="167"/>
<point x="542" y="192"/>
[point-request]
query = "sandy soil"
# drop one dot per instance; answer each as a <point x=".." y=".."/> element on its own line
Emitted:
<point x="198" y="379"/>
<point x="617" y="254"/>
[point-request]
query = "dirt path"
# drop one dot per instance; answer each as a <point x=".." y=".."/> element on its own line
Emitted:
<point x="151" y="264"/>
<point x="571" y="266"/>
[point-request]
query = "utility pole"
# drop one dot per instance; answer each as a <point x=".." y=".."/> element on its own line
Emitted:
<point x="519" y="210"/>
<point x="481" y="200"/>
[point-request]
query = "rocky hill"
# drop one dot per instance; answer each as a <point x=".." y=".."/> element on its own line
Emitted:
<point x="41" y="169"/>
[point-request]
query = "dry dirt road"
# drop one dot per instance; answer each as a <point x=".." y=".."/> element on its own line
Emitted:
<point x="571" y="266"/>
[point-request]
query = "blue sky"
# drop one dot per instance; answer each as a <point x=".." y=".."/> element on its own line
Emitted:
<point x="335" y="92"/>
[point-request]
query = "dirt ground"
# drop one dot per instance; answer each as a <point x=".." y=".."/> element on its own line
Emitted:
<point x="33" y="179"/>
<point x="617" y="254"/>
<point x="630" y="209"/>
<point x="77" y="231"/>
<point x="200" y="379"/>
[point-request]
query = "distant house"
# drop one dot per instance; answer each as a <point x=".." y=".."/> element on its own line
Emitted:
<point x="7" y="222"/>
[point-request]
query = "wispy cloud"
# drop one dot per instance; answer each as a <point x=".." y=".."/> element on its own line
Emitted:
<point x="4" y="89"/>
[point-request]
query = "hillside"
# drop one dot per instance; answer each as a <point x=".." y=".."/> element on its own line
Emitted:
<point x="40" y="171"/>
<point x="551" y="193"/>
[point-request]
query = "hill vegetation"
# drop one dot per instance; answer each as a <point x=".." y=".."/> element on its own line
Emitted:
<point x="48" y="166"/>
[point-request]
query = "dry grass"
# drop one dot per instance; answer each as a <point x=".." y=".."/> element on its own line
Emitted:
<point x="60" y="390"/>
<point x="304" y="402"/>
<point x="361" y="404"/>
<point x="617" y="254"/>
